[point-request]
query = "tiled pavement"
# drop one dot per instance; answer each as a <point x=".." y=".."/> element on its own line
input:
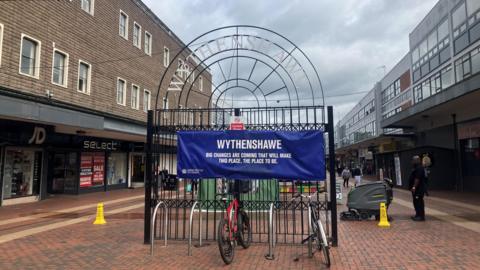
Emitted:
<point x="434" y="244"/>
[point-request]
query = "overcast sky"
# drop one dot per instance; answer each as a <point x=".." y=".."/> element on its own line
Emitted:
<point x="347" y="40"/>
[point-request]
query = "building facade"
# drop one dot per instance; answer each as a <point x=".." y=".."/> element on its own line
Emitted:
<point x="76" y="81"/>
<point x="436" y="115"/>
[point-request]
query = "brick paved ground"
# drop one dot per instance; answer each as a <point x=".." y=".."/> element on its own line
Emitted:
<point x="435" y="244"/>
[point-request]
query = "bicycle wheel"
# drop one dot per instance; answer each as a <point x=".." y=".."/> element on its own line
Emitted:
<point x="324" y="245"/>
<point x="225" y="243"/>
<point x="244" y="229"/>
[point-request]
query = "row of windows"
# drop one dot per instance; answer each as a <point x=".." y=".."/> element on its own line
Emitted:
<point x="468" y="65"/>
<point x="434" y="62"/>
<point x="364" y="111"/>
<point x="430" y="45"/>
<point x="363" y="133"/>
<point x="391" y="91"/>
<point x="30" y="51"/>
<point x="433" y="85"/>
<point x="392" y="112"/>
<point x="136" y="35"/>
<point x="135" y="95"/>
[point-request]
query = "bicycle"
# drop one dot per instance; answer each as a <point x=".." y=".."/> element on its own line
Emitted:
<point x="232" y="228"/>
<point x="318" y="234"/>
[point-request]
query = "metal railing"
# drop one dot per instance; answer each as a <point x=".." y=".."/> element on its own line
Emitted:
<point x="152" y="233"/>
<point x="190" y="228"/>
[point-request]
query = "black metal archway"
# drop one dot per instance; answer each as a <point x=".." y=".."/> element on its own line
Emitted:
<point x="275" y="86"/>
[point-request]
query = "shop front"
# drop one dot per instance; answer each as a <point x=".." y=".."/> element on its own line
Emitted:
<point x="36" y="162"/>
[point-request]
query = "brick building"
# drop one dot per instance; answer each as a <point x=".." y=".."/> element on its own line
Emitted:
<point x="76" y="81"/>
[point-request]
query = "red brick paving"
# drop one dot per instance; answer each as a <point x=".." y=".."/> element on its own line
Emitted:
<point x="433" y="244"/>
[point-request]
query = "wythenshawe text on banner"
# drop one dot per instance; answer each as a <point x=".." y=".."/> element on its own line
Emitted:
<point x="245" y="154"/>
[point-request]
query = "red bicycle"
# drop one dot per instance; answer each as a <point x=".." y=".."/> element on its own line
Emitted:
<point x="233" y="227"/>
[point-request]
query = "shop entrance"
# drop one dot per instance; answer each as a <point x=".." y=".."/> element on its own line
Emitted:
<point x="137" y="174"/>
<point x="63" y="173"/>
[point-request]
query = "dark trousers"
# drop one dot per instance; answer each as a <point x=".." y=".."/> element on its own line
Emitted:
<point x="418" y="204"/>
<point x="345" y="182"/>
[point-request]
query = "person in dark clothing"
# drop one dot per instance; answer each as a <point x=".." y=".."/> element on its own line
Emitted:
<point x="416" y="184"/>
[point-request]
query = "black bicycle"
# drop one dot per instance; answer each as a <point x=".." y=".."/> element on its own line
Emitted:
<point x="318" y="233"/>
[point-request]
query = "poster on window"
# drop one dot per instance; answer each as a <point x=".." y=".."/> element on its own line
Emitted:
<point x="98" y="168"/>
<point x="86" y="164"/>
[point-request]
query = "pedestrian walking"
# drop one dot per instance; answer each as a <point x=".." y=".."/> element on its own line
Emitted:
<point x="346" y="174"/>
<point x="194" y="186"/>
<point x="358" y="176"/>
<point x="416" y="184"/>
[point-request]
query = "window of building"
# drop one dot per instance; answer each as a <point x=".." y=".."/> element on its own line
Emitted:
<point x="30" y="57"/>
<point x="458" y="17"/>
<point x="123" y="25"/>
<point x="166" y="56"/>
<point x="462" y="68"/>
<point x="121" y="91"/>
<point x="137" y="35"/>
<point x="200" y="83"/>
<point x="426" y="92"/>
<point x="447" y="77"/>
<point x="475" y="58"/>
<point x="87" y="6"/>
<point x="417" y="91"/>
<point x="135" y="99"/>
<point x="60" y="68"/>
<point x="84" y="77"/>
<point x="432" y="40"/>
<point x="148" y="43"/>
<point x="21" y="172"/>
<point x="396" y="87"/>
<point x="435" y="84"/>
<point x="1" y="42"/>
<point x="117" y="169"/>
<point x="443" y="30"/>
<point x="92" y="169"/>
<point x="423" y="48"/>
<point x="472" y="7"/>
<point x="146" y="100"/>
<point x="415" y="55"/>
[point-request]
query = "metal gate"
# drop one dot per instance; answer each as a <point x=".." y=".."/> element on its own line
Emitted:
<point x="291" y="102"/>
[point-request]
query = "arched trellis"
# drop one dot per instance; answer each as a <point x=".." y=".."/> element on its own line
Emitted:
<point x="278" y="69"/>
<point x="190" y="47"/>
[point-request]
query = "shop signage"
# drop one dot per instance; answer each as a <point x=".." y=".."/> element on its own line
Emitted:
<point x="96" y="145"/>
<point x="237" y="124"/>
<point x="249" y="154"/>
<point x="38" y="137"/>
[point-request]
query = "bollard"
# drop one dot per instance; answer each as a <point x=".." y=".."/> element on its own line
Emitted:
<point x="383" y="216"/>
<point x="100" y="219"/>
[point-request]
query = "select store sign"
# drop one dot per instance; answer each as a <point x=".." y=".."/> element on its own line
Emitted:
<point x="92" y="169"/>
<point x="96" y="145"/>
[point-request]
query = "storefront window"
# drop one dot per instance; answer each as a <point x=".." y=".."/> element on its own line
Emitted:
<point x="117" y="169"/>
<point x="92" y="169"/>
<point x="22" y="173"/>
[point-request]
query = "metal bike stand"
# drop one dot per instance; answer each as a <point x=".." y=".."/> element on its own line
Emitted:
<point x="191" y="227"/>
<point x="310" y="230"/>
<point x="271" y="235"/>
<point x="152" y="228"/>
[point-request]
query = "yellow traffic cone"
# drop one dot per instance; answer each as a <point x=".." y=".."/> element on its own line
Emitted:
<point x="383" y="216"/>
<point x="100" y="219"/>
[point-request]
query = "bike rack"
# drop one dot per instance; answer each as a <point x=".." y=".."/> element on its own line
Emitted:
<point x="310" y="230"/>
<point x="152" y="228"/>
<point x="190" y="227"/>
<point x="271" y="235"/>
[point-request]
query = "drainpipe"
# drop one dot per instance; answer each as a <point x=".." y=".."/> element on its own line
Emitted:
<point x="457" y="155"/>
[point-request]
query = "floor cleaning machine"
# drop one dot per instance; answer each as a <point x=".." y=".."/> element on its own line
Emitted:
<point x="364" y="200"/>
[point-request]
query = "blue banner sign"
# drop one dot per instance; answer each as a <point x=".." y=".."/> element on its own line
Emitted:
<point x="245" y="154"/>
